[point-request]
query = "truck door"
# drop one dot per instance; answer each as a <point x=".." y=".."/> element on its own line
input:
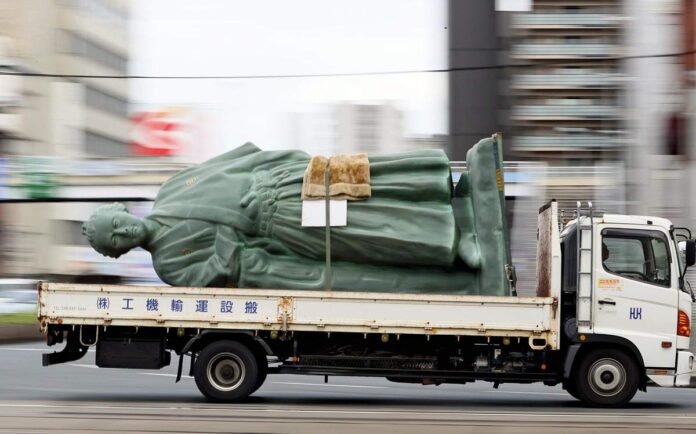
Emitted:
<point x="635" y="293"/>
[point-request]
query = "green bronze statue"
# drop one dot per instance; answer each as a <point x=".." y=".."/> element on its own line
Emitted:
<point x="235" y="221"/>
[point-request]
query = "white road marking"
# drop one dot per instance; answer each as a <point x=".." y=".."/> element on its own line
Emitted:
<point x="46" y="389"/>
<point x="284" y="411"/>
<point x="328" y="385"/>
<point x="80" y="365"/>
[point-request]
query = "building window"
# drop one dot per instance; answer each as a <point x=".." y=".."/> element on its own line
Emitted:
<point x="101" y="100"/>
<point x="99" y="9"/>
<point x="96" y="52"/>
<point x="97" y="144"/>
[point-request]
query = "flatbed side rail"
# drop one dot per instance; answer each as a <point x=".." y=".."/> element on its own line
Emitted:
<point x="290" y="310"/>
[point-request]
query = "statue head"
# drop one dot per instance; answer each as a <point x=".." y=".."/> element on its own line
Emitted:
<point x="113" y="231"/>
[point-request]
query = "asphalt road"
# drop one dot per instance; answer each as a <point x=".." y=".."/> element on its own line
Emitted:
<point x="80" y="398"/>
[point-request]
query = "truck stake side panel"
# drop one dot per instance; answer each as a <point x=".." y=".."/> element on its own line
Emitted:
<point x="530" y="318"/>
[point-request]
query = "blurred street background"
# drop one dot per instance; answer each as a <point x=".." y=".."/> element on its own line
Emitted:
<point x="103" y="100"/>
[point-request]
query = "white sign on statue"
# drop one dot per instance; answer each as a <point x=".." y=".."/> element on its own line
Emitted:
<point x="314" y="213"/>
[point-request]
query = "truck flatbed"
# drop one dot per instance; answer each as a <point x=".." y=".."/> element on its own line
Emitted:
<point x="290" y="311"/>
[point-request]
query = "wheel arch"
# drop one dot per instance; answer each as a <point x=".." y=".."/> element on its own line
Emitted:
<point x="257" y="345"/>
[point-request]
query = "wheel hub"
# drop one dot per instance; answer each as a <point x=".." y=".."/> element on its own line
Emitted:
<point x="225" y="371"/>
<point x="607" y="377"/>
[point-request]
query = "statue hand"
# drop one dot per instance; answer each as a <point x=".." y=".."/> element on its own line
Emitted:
<point x="248" y="199"/>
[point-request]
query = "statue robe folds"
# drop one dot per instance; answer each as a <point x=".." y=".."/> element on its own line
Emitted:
<point x="235" y="220"/>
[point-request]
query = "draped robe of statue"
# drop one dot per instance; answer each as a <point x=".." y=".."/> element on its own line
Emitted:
<point x="235" y="221"/>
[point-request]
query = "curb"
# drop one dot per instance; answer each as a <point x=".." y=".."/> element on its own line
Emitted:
<point x="19" y="333"/>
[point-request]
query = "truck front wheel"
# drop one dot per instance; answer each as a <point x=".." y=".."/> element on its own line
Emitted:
<point x="226" y="371"/>
<point x="607" y="378"/>
<point x="572" y="389"/>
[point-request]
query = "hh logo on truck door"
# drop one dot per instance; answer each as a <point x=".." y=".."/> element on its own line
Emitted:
<point x="636" y="313"/>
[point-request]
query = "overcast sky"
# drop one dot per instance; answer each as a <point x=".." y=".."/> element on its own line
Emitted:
<point x="223" y="37"/>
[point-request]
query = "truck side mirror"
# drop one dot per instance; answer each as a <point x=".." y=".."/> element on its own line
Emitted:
<point x="690" y="253"/>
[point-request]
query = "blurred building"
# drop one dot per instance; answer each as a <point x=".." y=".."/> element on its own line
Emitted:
<point x="475" y="102"/>
<point x="552" y="80"/>
<point x="595" y="101"/>
<point x="579" y="83"/>
<point x="434" y="141"/>
<point x="657" y="97"/>
<point x="349" y="128"/>
<point x="553" y="86"/>
<point x="567" y="101"/>
<point x="686" y="130"/>
<point x="76" y="116"/>
<point x="46" y="122"/>
<point x="371" y="128"/>
<point x="10" y="92"/>
<point x="314" y="130"/>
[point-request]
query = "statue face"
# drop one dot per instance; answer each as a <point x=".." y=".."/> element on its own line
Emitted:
<point x="116" y="232"/>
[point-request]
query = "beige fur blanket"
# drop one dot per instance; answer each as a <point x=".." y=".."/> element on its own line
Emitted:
<point x="349" y="177"/>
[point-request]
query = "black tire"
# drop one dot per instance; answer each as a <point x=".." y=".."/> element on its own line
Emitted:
<point x="607" y="378"/>
<point x="262" y="364"/>
<point x="226" y="371"/>
<point x="572" y="389"/>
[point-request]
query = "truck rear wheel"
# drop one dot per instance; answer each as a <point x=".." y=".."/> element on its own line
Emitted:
<point x="226" y="371"/>
<point x="607" y="378"/>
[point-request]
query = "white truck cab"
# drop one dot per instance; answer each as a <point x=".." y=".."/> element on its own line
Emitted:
<point x="629" y="277"/>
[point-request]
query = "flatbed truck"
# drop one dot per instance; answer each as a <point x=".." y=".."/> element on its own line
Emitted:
<point x="611" y="316"/>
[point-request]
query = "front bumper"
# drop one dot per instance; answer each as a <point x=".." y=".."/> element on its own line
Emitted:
<point x="685" y="367"/>
<point x="681" y="377"/>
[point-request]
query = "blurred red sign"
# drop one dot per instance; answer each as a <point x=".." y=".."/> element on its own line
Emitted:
<point x="158" y="133"/>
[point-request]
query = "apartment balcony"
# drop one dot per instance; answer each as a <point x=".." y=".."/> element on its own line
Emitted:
<point x="568" y="80"/>
<point x="566" y="21"/>
<point x="565" y="143"/>
<point x="551" y="112"/>
<point x="574" y="50"/>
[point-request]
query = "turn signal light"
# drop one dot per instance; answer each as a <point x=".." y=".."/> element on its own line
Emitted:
<point x="683" y="325"/>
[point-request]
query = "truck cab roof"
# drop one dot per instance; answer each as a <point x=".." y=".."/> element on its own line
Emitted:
<point x="636" y="220"/>
<point x="626" y="220"/>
